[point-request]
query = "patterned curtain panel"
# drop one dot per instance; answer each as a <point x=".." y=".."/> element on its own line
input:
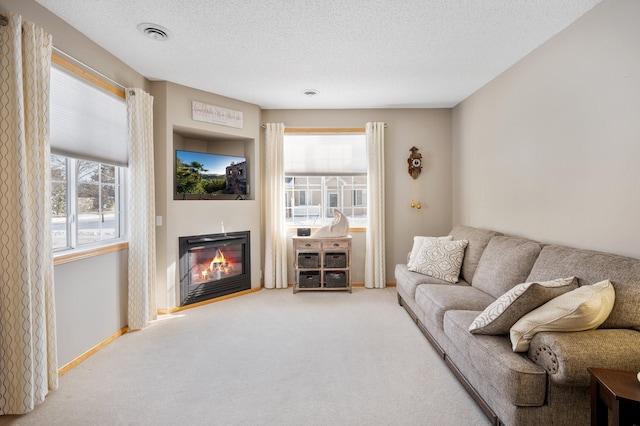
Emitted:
<point x="28" y="358"/>
<point x="375" y="274"/>
<point x="275" y="256"/>
<point x="142" y="212"/>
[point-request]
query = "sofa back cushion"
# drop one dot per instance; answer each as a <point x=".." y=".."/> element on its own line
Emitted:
<point x="478" y="240"/>
<point x="591" y="267"/>
<point x="505" y="262"/>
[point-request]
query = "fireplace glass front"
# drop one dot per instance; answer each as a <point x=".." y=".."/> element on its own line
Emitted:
<point x="213" y="265"/>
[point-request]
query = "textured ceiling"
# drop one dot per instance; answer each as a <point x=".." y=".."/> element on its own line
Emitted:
<point x="356" y="53"/>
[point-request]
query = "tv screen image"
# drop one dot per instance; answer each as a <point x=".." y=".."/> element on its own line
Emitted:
<point x="206" y="175"/>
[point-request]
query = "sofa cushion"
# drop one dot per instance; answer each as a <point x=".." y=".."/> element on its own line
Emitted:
<point x="591" y="267"/>
<point x="478" y="240"/>
<point x="440" y="259"/>
<point x="503" y="312"/>
<point x="435" y="300"/>
<point x="505" y="262"/>
<point x="409" y="281"/>
<point x="584" y="308"/>
<point x="417" y="245"/>
<point x="518" y="379"/>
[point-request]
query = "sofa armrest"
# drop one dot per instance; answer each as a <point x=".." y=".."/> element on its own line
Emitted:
<point x="566" y="356"/>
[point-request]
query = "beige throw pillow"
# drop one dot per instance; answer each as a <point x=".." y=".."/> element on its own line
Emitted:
<point x="440" y="259"/>
<point x="584" y="308"/>
<point x="499" y="316"/>
<point x="417" y="243"/>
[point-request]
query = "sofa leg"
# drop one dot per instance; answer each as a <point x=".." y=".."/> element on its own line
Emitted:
<point x="399" y="300"/>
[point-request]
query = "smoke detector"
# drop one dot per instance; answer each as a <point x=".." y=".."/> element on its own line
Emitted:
<point x="154" y="31"/>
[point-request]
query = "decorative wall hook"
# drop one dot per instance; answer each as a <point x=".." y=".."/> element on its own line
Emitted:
<point x="415" y="162"/>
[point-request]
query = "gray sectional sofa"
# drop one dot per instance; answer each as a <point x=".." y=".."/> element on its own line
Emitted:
<point x="549" y="384"/>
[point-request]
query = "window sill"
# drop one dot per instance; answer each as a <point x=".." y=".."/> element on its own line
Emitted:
<point x="85" y="254"/>
<point x="294" y="230"/>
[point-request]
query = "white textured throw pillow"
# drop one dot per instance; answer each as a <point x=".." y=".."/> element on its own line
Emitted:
<point x="440" y="259"/>
<point x="417" y="243"/>
<point x="502" y="313"/>
<point x="584" y="308"/>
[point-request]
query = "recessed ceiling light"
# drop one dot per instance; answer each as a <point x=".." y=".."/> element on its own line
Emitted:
<point x="310" y="92"/>
<point x="154" y="31"/>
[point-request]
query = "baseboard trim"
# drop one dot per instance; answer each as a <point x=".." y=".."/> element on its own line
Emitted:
<point x="358" y="284"/>
<point x="207" y="302"/>
<point x="361" y="284"/>
<point x="68" y="366"/>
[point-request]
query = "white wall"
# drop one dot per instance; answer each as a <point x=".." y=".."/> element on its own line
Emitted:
<point x="427" y="129"/>
<point x="550" y="149"/>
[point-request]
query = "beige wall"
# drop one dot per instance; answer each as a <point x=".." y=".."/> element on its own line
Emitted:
<point x="427" y="129"/>
<point x="550" y="149"/>
<point x="174" y="128"/>
<point x="91" y="302"/>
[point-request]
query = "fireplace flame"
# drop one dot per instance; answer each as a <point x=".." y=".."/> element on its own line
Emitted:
<point x="218" y="267"/>
<point x="218" y="259"/>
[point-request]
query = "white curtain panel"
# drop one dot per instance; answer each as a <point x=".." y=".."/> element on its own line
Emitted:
<point x="275" y="256"/>
<point x="374" y="260"/>
<point x="28" y="357"/>
<point x="142" y="231"/>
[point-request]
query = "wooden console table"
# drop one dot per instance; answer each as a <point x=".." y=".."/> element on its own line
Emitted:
<point x="616" y="390"/>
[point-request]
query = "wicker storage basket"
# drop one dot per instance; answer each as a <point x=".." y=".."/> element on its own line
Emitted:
<point x="308" y="260"/>
<point x="335" y="279"/>
<point x="309" y="279"/>
<point x="335" y="260"/>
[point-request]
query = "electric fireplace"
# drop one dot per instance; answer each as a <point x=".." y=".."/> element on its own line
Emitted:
<point x="213" y="265"/>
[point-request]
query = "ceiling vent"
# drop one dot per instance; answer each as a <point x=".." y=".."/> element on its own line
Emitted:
<point x="310" y="93"/>
<point x="154" y="31"/>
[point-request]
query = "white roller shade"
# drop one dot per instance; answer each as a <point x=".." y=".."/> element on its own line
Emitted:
<point x="87" y="122"/>
<point x="322" y="154"/>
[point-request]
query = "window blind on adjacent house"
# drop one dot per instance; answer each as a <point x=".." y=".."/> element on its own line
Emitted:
<point x="87" y="122"/>
<point x="323" y="155"/>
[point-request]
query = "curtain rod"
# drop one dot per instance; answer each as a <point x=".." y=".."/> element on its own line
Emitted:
<point x="98" y="73"/>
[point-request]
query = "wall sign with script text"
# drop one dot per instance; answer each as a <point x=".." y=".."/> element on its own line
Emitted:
<point x="216" y="115"/>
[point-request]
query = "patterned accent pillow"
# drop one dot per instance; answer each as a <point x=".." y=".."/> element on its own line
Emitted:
<point x="584" y="308"/>
<point x="499" y="316"/>
<point x="440" y="259"/>
<point x="417" y="243"/>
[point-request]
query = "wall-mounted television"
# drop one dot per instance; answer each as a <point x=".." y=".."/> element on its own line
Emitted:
<point x="207" y="176"/>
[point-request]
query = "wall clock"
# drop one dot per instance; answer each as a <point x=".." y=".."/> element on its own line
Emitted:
<point x="415" y="162"/>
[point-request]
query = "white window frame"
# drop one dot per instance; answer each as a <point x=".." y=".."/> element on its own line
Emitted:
<point x="303" y="215"/>
<point x="72" y="221"/>
<point x="73" y="246"/>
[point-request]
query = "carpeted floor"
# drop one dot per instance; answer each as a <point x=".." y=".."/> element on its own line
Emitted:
<point x="266" y="358"/>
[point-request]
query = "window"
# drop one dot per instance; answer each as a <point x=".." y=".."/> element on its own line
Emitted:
<point x="86" y="202"/>
<point x="359" y="198"/>
<point x="88" y="150"/>
<point x="323" y="172"/>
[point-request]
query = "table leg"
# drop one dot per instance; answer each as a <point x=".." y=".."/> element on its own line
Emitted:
<point x="599" y="410"/>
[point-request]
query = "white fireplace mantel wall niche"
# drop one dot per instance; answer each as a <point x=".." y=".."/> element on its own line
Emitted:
<point x="174" y="129"/>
